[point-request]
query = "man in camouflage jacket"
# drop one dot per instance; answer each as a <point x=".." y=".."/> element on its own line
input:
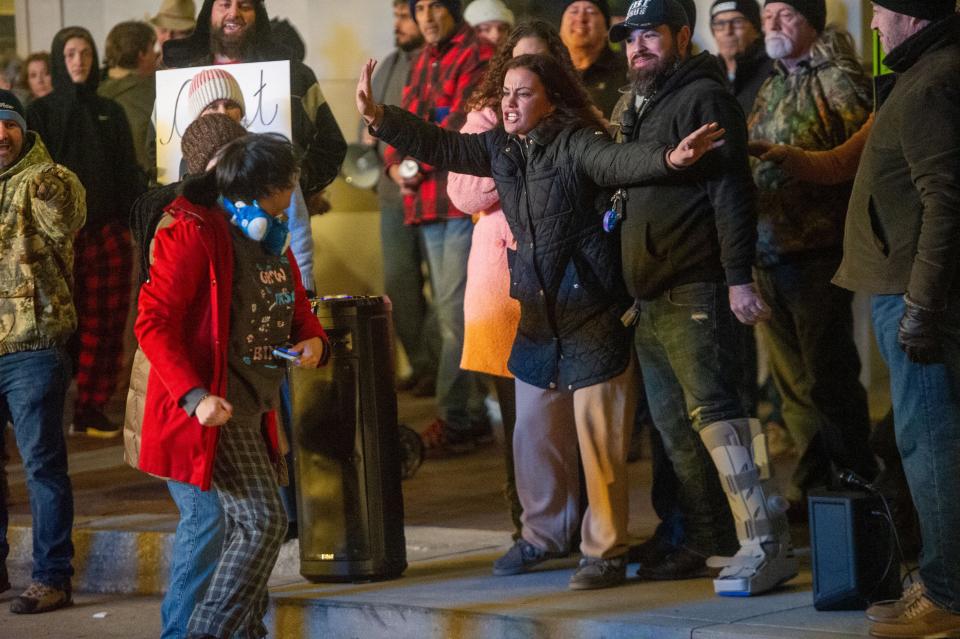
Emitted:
<point x="817" y="96"/>
<point x="42" y="207"/>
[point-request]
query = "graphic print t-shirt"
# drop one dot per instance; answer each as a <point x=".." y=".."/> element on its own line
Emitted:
<point x="261" y="315"/>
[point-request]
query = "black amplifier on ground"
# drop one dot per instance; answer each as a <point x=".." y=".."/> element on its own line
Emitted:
<point x="346" y="449"/>
<point x="853" y="553"/>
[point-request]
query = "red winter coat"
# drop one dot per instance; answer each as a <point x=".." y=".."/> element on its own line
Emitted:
<point x="183" y="326"/>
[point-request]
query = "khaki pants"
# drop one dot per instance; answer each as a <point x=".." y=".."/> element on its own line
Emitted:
<point x="550" y="424"/>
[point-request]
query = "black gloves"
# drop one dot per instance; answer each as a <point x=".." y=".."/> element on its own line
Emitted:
<point x="919" y="333"/>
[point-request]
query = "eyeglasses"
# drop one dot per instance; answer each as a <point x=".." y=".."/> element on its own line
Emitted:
<point x="722" y="25"/>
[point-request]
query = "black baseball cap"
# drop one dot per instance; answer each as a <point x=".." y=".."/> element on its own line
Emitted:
<point x="649" y="14"/>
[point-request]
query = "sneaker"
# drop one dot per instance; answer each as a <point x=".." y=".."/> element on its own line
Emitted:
<point x="651" y="552"/>
<point x="439" y="441"/>
<point x="884" y="611"/>
<point x="41" y="598"/>
<point x="93" y="423"/>
<point x="521" y="558"/>
<point x="920" y="618"/>
<point x="593" y="573"/>
<point x="682" y="563"/>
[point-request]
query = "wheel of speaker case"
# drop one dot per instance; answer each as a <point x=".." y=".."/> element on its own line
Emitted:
<point x="411" y="451"/>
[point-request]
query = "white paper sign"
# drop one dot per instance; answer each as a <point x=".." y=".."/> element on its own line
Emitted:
<point x="266" y="94"/>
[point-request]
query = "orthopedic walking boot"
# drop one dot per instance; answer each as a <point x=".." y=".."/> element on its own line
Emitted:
<point x="765" y="559"/>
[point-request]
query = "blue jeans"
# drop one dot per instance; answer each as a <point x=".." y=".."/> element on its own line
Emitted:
<point x="33" y="385"/>
<point x="413" y="317"/>
<point x="195" y="554"/>
<point x="926" y="416"/>
<point x="448" y="246"/>
<point x="686" y="345"/>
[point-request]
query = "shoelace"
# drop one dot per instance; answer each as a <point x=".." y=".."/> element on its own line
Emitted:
<point x="37" y="591"/>
<point x="919" y="606"/>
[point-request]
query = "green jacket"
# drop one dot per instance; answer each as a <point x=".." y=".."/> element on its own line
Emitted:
<point x="36" y="252"/>
<point x="136" y="95"/>
<point x="824" y="101"/>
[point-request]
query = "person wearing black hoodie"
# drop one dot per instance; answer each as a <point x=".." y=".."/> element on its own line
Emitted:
<point x="687" y="244"/>
<point x="240" y="31"/>
<point x="89" y="134"/>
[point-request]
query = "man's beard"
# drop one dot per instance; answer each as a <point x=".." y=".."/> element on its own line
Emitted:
<point x="778" y="46"/>
<point x="646" y="79"/>
<point x="410" y="45"/>
<point x="233" y="47"/>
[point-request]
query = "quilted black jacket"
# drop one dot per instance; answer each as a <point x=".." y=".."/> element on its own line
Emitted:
<point x="566" y="270"/>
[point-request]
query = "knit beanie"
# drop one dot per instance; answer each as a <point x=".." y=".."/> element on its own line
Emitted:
<point x="204" y="137"/>
<point x="601" y="4"/>
<point x="211" y="85"/>
<point x="690" y="8"/>
<point x="815" y="11"/>
<point x="480" y="11"/>
<point x="749" y="8"/>
<point x="453" y="6"/>
<point x="12" y="109"/>
<point x="923" y="9"/>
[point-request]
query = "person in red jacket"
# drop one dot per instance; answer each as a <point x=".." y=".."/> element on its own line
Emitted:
<point x="224" y="292"/>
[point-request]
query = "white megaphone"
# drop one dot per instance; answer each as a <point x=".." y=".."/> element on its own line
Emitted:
<point x="361" y="167"/>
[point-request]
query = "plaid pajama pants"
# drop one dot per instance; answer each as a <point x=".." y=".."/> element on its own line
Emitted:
<point x="101" y="294"/>
<point x="255" y="524"/>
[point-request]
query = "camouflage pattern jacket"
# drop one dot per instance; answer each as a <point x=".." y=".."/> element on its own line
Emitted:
<point x="36" y="251"/>
<point x="824" y="101"/>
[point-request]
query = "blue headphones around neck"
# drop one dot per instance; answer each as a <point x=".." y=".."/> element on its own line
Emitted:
<point x="258" y="225"/>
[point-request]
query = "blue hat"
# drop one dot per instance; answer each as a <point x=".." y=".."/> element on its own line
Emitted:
<point x="650" y="14"/>
<point x="11" y="109"/>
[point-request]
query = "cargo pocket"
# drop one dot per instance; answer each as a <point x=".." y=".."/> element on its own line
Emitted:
<point x="18" y="316"/>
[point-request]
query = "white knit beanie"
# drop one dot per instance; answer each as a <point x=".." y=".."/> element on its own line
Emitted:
<point x="480" y="11"/>
<point x="211" y="85"/>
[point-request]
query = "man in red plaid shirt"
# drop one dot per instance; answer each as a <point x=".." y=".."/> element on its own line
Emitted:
<point x="441" y="80"/>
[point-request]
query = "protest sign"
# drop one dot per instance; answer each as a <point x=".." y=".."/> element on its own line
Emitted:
<point x="265" y="87"/>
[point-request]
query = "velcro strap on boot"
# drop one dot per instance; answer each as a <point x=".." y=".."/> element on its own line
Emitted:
<point x="742" y="481"/>
<point x="759" y="527"/>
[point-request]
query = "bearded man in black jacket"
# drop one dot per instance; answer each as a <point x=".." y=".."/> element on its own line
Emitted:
<point x="688" y="245"/>
<point x="230" y="31"/>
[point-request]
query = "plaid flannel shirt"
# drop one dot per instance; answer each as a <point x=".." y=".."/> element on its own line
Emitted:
<point x="441" y="80"/>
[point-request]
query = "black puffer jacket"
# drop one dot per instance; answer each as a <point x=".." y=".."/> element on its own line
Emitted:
<point x="89" y="135"/>
<point x="315" y="131"/>
<point x="566" y="271"/>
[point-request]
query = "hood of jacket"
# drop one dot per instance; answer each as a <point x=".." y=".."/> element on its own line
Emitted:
<point x="194" y="50"/>
<point x="34" y="153"/>
<point x="63" y="85"/>
<point x="933" y="36"/>
<point x="701" y="66"/>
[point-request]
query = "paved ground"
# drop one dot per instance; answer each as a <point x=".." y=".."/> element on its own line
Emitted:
<point x="456" y="525"/>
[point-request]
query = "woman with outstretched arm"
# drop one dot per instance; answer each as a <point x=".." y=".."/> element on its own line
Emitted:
<point x="550" y="158"/>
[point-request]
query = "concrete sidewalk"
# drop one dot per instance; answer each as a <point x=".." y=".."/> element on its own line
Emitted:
<point x="457" y="524"/>
<point x="446" y="592"/>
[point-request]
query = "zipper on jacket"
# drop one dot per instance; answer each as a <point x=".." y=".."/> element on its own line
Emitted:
<point x="524" y="146"/>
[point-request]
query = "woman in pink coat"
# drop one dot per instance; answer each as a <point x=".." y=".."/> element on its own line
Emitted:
<point x="490" y="315"/>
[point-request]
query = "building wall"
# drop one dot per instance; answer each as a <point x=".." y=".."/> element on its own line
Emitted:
<point x="340" y="36"/>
